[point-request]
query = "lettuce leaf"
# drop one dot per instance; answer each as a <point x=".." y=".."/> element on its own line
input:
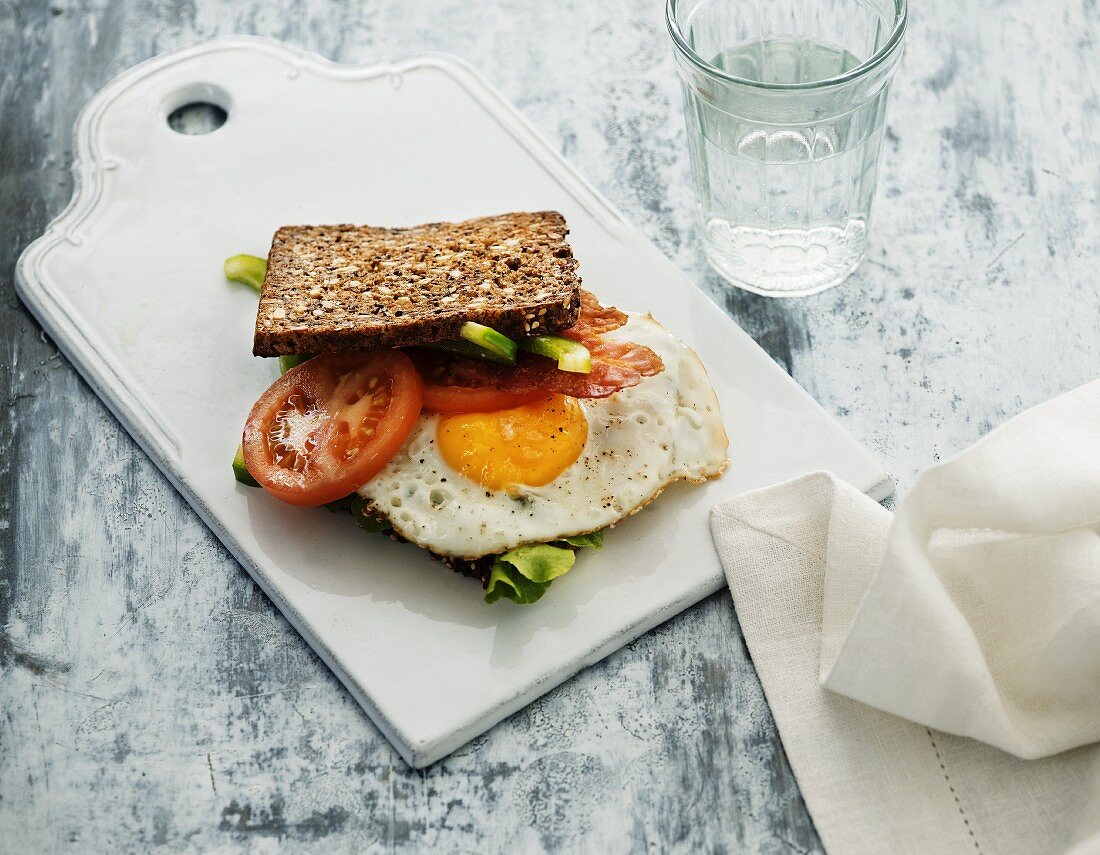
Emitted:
<point x="541" y="562"/>
<point x="522" y="575"/>
<point x="507" y="581"/>
<point x="593" y="539"/>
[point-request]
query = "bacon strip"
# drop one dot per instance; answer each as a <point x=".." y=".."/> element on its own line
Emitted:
<point x="605" y="379"/>
<point x="530" y="372"/>
<point x="615" y="364"/>
<point x="594" y="320"/>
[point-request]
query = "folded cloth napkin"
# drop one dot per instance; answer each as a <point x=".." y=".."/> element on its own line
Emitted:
<point x="888" y="646"/>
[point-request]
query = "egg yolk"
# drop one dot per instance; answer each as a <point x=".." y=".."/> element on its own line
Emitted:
<point x="532" y="444"/>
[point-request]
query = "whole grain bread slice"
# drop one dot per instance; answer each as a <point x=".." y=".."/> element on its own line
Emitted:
<point x="332" y="288"/>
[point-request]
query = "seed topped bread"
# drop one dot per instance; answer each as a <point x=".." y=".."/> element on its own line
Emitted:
<point x="332" y="288"/>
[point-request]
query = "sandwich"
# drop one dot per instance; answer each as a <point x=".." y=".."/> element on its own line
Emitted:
<point x="453" y="386"/>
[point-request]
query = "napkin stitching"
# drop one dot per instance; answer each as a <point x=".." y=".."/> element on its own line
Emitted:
<point x="951" y="787"/>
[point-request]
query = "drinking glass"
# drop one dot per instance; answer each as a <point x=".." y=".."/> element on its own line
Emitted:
<point x="785" y="102"/>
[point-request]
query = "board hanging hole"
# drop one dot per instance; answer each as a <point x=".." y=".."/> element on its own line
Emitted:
<point x="197" y="117"/>
<point x="196" y="109"/>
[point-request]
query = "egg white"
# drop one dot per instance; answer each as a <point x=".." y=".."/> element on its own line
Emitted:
<point x="667" y="428"/>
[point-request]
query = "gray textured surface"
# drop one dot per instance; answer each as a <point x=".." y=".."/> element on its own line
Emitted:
<point x="151" y="695"/>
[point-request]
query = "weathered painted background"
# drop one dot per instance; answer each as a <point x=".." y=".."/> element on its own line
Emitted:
<point x="150" y="695"/>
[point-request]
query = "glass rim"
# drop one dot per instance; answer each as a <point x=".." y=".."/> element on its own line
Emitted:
<point x="901" y="16"/>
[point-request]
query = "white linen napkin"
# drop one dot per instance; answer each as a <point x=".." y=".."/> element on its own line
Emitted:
<point x="974" y="614"/>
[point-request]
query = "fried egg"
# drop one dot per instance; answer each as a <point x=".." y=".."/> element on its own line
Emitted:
<point x="470" y="485"/>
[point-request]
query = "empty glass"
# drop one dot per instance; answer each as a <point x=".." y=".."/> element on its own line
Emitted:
<point x="785" y="103"/>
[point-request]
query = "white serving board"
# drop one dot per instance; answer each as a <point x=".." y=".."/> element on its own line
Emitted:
<point x="128" y="281"/>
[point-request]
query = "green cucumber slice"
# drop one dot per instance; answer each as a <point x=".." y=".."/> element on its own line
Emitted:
<point x="571" y="355"/>
<point x="249" y="270"/>
<point x="460" y="347"/>
<point x="240" y="471"/>
<point x="490" y="339"/>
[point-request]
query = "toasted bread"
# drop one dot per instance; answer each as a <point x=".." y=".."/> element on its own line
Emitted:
<point x="332" y="288"/>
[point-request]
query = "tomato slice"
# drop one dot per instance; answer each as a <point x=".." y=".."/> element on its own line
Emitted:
<point x="460" y="399"/>
<point x="454" y="384"/>
<point x="327" y="427"/>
